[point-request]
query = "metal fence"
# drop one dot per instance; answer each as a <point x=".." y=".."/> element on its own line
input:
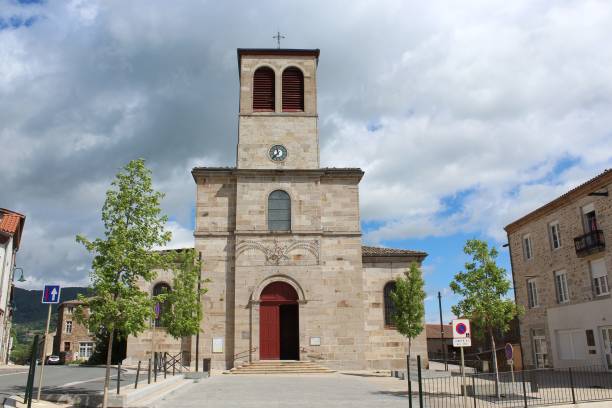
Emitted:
<point x="520" y="389"/>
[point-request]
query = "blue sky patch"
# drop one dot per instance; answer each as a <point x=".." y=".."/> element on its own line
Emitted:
<point x="15" y="22"/>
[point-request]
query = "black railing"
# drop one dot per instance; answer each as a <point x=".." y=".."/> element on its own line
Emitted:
<point x="521" y="389"/>
<point x="589" y="243"/>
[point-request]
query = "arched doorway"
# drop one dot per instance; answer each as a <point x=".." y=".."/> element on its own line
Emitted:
<point x="279" y="337"/>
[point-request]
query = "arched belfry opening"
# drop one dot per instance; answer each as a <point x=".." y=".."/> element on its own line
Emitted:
<point x="279" y="337"/>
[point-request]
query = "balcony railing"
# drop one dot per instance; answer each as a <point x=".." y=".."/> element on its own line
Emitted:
<point x="590" y="243"/>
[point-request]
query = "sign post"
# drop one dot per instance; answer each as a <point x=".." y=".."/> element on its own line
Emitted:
<point x="462" y="338"/>
<point x="51" y="296"/>
<point x="509" y="356"/>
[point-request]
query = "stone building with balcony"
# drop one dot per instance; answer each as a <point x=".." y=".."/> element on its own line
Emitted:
<point x="560" y="266"/>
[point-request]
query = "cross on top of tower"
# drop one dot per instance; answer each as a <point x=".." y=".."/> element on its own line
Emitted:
<point x="278" y="38"/>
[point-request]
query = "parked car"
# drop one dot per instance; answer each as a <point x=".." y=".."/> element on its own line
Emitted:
<point x="53" y="360"/>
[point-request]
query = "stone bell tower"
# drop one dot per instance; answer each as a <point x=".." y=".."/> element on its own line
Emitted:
<point x="277" y="126"/>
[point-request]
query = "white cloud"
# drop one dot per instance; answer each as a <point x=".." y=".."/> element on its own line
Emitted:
<point x="475" y="107"/>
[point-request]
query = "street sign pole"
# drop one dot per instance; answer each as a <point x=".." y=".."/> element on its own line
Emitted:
<point x="463" y="379"/>
<point x="462" y="338"/>
<point x="44" y="355"/>
<point x="50" y="296"/>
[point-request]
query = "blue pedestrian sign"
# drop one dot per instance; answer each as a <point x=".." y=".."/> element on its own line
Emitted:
<point x="51" y="294"/>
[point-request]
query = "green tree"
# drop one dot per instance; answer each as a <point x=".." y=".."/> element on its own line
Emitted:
<point x="183" y="315"/>
<point x="408" y="298"/>
<point x="133" y="226"/>
<point x="484" y="287"/>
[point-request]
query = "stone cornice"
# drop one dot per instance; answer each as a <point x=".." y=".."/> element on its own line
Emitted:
<point x="234" y="172"/>
<point x="203" y="234"/>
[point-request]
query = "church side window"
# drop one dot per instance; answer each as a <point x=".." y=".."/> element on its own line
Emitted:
<point x="389" y="305"/>
<point x="160" y="308"/>
<point x="293" y="90"/>
<point x="279" y="211"/>
<point x="263" y="90"/>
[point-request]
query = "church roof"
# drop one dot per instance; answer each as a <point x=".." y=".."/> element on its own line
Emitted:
<point x="380" y="251"/>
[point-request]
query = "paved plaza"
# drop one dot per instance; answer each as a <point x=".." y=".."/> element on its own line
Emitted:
<point x="330" y="390"/>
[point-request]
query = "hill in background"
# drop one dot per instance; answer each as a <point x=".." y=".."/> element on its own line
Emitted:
<point x="29" y="309"/>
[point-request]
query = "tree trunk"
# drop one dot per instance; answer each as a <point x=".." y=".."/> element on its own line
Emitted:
<point x="109" y="353"/>
<point x="409" y="346"/>
<point x="494" y="363"/>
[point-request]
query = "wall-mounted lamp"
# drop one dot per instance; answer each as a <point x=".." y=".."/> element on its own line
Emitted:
<point x="21" y="278"/>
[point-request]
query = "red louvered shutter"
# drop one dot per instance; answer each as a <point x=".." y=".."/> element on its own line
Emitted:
<point x="263" y="90"/>
<point x="293" y="90"/>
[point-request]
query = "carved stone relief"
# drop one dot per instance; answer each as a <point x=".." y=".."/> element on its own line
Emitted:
<point x="280" y="253"/>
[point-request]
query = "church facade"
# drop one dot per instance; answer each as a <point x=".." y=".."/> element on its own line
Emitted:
<point x="280" y="238"/>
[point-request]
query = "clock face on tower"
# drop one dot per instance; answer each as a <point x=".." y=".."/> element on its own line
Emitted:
<point x="278" y="153"/>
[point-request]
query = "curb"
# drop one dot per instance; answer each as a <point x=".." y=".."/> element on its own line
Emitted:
<point x="145" y="393"/>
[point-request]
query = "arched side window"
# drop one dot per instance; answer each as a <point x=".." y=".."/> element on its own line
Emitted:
<point x="263" y="90"/>
<point x="160" y="308"/>
<point x="389" y="305"/>
<point x="293" y="90"/>
<point x="279" y="211"/>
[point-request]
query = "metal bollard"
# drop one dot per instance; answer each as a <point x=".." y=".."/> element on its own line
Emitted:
<point x="420" y="382"/>
<point x="137" y="375"/>
<point x="31" y="374"/>
<point x="409" y="382"/>
<point x="149" y="372"/>
<point x="118" y="378"/>
<point x="165" y="365"/>
<point x="155" y="367"/>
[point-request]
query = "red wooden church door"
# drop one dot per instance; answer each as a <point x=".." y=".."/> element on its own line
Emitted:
<point x="269" y="332"/>
<point x="272" y="297"/>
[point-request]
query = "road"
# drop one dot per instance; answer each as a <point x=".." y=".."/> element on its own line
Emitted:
<point x="62" y="379"/>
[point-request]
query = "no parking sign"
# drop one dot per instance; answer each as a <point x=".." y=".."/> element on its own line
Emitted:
<point x="461" y="333"/>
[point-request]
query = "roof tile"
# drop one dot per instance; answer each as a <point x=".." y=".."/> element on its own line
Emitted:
<point x="379" y="251"/>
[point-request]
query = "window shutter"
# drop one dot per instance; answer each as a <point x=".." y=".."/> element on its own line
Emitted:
<point x="293" y="90"/>
<point x="263" y="90"/>
<point x="598" y="268"/>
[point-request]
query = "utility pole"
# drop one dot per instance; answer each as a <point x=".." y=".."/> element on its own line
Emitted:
<point x="442" y="339"/>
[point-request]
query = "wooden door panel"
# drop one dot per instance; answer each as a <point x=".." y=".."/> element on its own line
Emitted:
<point x="269" y="332"/>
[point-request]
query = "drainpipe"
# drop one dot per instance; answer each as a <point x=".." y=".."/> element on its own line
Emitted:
<point x="515" y="300"/>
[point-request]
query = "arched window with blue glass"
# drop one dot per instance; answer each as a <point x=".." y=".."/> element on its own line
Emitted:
<point x="279" y="211"/>
<point x="389" y="305"/>
<point x="160" y="308"/>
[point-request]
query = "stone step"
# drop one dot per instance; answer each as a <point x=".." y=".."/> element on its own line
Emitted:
<point x="282" y="372"/>
<point x="280" y="367"/>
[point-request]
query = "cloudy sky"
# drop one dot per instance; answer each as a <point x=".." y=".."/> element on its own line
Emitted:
<point x="462" y="118"/>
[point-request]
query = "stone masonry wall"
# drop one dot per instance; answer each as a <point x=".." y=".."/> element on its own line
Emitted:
<point x="546" y="261"/>
<point x="388" y="348"/>
<point x="297" y="131"/>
